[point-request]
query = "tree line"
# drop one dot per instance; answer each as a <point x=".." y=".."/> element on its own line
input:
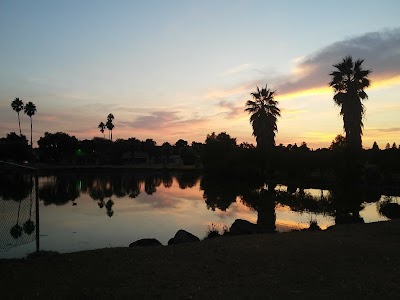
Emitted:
<point x="221" y="151"/>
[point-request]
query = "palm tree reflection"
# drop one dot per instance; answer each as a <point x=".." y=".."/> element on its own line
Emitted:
<point x="16" y="230"/>
<point x="263" y="201"/>
<point x="29" y="225"/>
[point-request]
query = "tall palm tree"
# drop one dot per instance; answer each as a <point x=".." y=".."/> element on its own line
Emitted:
<point x="264" y="113"/>
<point x="30" y="110"/>
<point x="348" y="83"/>
<point x="102" y="126"/>
<point x="110" y="124"/>
<point x="17" y="105"/>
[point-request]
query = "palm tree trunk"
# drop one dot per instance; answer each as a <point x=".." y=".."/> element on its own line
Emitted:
<point x="111" y="135"/>
<point x="31" y="134"/>
<point x="19" y="123"/>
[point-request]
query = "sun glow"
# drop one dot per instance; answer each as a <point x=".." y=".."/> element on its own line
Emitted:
<point x="302" y="93"/>
<point x="385" y="82"/>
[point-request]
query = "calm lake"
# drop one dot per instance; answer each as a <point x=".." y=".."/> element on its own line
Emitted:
<point x="82" y="211"/>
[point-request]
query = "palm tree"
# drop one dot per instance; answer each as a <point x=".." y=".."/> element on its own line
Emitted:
<point x="30" y="110"/>
<point x="264" y="113"/>
<point x="348" y="83"/>
<point x="110" y="124"/>
<point x="17" y="105"/>
<point x="102" y="126"/>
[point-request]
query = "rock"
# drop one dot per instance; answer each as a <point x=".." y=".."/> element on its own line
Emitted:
<point x="145" y="243"/>
<point x="182" y="236"/>
<point x="243" y="227"/>
<point x="390" y="210"/>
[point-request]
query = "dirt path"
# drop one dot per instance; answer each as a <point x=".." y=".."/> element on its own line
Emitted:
<point x="354" y="261"/>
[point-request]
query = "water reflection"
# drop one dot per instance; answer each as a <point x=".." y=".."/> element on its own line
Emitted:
<point x="165" y="202"/>
<point x="63" y="188"/>
<point x="14" y="186"/>
<point x="16" y="209"/>
<point x="343" y="202"/>
<point x="263" y="201"/>
<point x="59" y="190"/>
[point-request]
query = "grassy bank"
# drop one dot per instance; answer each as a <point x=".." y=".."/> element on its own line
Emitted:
<point x="348" y="261"/>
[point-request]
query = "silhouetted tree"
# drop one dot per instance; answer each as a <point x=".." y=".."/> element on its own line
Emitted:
<point x="375" y="146"/>
<point x="109" y="124"/>
<point x="246" y="145"/>
<point x="264" y="113"/>
<point x="188" y="156"/>
<point x="303" y="147"/>
<point x="348" y="83"/>
<point x="166" y="150"/>
<point x="339" y="143"/>
<point x="149" y="146"/>
<point x="14" y="147"/>
<point x="56" y="146"/>
<point x="17" y="105"/>
<point x="102" y="127"/>
<point x="179" y="145"/>
<point x="30" y="110"/>
<point x="218" y="150"/>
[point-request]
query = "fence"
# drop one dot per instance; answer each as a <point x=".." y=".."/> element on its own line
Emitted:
<point x="19" y="205"/>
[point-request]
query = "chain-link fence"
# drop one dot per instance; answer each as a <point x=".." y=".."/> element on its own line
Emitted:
<point x="18" y="204"/>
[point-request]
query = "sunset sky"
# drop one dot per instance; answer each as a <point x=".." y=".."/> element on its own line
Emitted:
<point x="183" y="69"/>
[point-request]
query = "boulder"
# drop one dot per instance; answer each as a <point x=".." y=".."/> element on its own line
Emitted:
<point x="182" y="236"/>
<point x="145" y="243"/>
<point x="390" y="210"/>
<point x="243" y="227"/>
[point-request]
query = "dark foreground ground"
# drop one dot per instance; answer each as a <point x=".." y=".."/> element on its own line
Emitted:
<point x="354" y="261"/>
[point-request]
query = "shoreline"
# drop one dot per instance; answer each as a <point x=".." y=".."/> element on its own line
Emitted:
<point x="358" y="260"/>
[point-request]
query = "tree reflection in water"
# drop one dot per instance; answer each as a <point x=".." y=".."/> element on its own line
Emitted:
<point x="16" y="230"/>
<point x="29" y="225"/>
<point x="344" y="201"/>
<point x="16" y="185"/>
<point x="62" y="188"/>
<point x="263" y="201"/>
<point x="59" y="190"/>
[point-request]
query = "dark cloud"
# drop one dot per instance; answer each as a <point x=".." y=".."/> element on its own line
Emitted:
<point x="157" y="119"/>
<point x="162" y="120"/>
<point x="380" y="50"/>
<point x="233" y="109"/>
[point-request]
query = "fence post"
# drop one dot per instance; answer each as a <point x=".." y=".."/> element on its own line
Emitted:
<point x="37" y="211"/>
